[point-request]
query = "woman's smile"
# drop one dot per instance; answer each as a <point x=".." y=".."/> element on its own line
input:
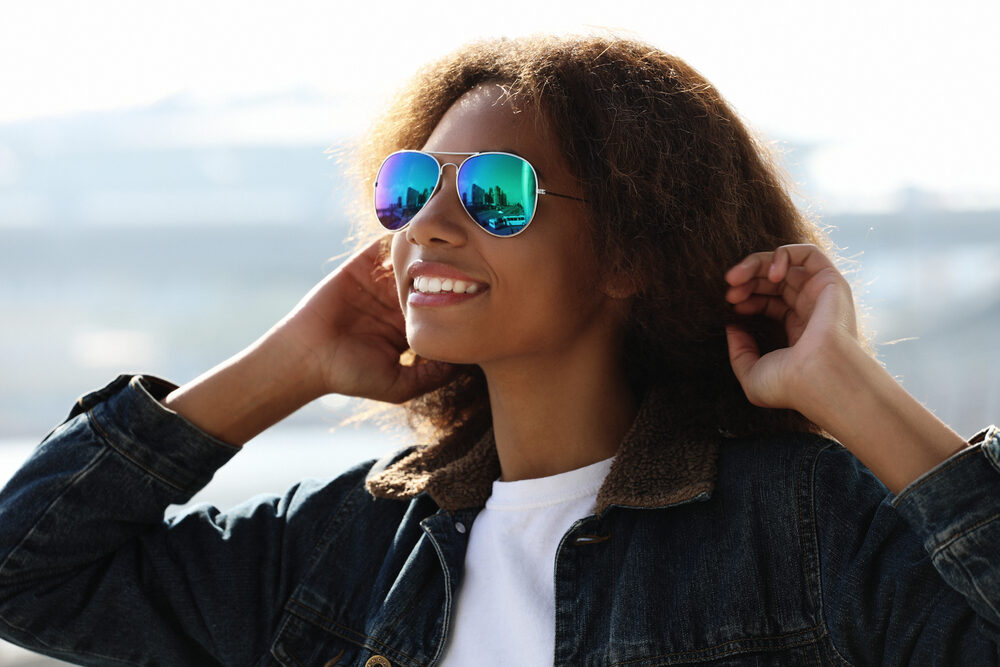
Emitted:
<point x="438" y="284"/>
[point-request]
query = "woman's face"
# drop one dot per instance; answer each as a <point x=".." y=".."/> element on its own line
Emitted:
<point x="536" y="294"/>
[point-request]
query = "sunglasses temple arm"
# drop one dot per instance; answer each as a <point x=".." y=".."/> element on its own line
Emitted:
<point x="556" y="194"/>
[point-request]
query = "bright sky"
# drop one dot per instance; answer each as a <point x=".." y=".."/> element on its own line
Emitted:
<point x="891" y="94"/>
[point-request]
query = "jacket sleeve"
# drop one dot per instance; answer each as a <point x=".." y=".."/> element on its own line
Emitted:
<point x="913" y="578"/>
<point x="91" y="572"/>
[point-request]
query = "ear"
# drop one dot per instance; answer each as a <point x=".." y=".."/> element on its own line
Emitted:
<point x="617" y="285"/>
<point x="616" y="280"/>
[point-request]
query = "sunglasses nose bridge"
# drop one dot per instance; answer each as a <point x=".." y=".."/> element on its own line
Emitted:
<point x="449" y="164"/>
<point x="442" y="178"/>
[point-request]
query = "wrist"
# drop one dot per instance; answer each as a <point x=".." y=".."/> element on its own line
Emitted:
<point x="862" y="406"/>
<point x="287" y="366"/>
<point x="830" y="380"/>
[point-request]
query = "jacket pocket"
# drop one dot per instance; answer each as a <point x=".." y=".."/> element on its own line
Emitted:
<point x="302" y="644"/>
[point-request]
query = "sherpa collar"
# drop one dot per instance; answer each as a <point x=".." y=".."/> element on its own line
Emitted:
<point x="655" y="466"/>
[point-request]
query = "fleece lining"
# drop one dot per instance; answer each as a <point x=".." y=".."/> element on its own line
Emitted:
<point x="657" y="464"/>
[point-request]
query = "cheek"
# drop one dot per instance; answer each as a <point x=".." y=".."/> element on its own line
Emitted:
<point x="551" y="298"/>
<point x="570" y="270"/>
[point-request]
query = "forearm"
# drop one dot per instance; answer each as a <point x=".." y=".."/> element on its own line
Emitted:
<point x="249" y="392"/>
<point x="871" y="414"/>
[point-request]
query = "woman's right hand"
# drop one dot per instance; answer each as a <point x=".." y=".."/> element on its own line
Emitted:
<point x="345" y="336"/>
<point x="352" y="328"/>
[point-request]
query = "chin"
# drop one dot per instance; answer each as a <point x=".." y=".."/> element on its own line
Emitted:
<point x="449" y="348"/>
<point x="433" y="348"/>
<point x="440" y="353"/>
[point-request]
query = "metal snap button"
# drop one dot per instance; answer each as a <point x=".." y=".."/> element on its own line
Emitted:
<point x="460" y="527"/>
<point x="378" y="661"/>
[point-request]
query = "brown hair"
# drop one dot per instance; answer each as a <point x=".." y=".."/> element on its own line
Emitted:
<point x="678" y="191"/>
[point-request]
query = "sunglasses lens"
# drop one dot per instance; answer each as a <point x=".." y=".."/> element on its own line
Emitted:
<point x="404" y="183"/>
<point x="498" y="191"/>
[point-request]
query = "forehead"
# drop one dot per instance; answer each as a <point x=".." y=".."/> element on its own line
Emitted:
<point x="483" y="119"/>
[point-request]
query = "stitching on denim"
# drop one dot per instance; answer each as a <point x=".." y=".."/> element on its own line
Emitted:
<point x="808" y="529"/>
<point x="813" y="656"/>
<point x="614" y="583"/>
<point x="69" y="653"/>
<point x="11" y="624"/>
<point x="448" y="595"/>
<point x="829" y="650"/>
<point x="328" y="534"/>
<point x="368" y="641"/>
<point x="968" y="575"/>
<point x="293" y="624"/>
<point x="331" y="527"/>
<point x="108" y="440"/>
<point x="811" y="486"/>
<point x="559" y="626"/>
<point x="974" y="527"/>
<point x="928" y="476"/>
<point x="69" y="485"/>
<point x="89" y="400"/>
<point x="749" y="644"/>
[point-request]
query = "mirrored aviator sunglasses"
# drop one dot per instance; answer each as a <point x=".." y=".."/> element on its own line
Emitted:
<point x="498" y="190"/>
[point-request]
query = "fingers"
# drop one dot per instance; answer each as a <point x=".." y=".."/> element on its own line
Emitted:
<point x="772" y="307"/>
<point x="365" y="282"/>
<point x="788" y="289"/>
<point x="807" y="256"/>
<point x="774" y="265"/>
<point x="770" y="283"/>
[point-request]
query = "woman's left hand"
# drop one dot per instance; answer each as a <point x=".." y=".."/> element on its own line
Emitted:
<point x="825" y="373"/>
<point x="799" y="285"/>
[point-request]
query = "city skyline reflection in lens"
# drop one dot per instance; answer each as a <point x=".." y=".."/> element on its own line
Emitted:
<point x="403" y="185"/>
<point x="498" y="191"/>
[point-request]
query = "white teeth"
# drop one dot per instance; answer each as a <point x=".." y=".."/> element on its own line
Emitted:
<point x="435" y="285"/>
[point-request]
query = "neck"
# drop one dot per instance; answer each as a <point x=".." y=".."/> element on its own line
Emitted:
<point x="554" y="415"/>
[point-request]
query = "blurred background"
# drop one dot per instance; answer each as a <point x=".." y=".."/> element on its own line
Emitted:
<point x="166" y="192"/>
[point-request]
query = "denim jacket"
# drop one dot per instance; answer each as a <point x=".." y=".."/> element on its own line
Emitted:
<point x="754" y="551"/>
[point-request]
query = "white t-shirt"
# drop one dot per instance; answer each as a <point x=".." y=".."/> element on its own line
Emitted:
<point x="504" y="613"/>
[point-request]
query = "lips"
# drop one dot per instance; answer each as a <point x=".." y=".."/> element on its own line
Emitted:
<point x="436" y="283"/>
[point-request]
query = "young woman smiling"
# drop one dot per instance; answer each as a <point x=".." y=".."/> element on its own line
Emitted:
<point x="632" y="353"/>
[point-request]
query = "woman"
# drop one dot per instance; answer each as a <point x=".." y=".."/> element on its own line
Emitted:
<point x="626" y="345"/>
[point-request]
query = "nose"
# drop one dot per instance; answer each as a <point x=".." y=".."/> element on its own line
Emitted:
<point x="442" y="220"/>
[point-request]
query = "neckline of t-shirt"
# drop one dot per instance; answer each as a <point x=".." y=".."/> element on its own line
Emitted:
<point x="551" y="490"/>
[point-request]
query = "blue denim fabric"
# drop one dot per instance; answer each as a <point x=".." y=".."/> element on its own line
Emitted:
<point x="798" y="556"/>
